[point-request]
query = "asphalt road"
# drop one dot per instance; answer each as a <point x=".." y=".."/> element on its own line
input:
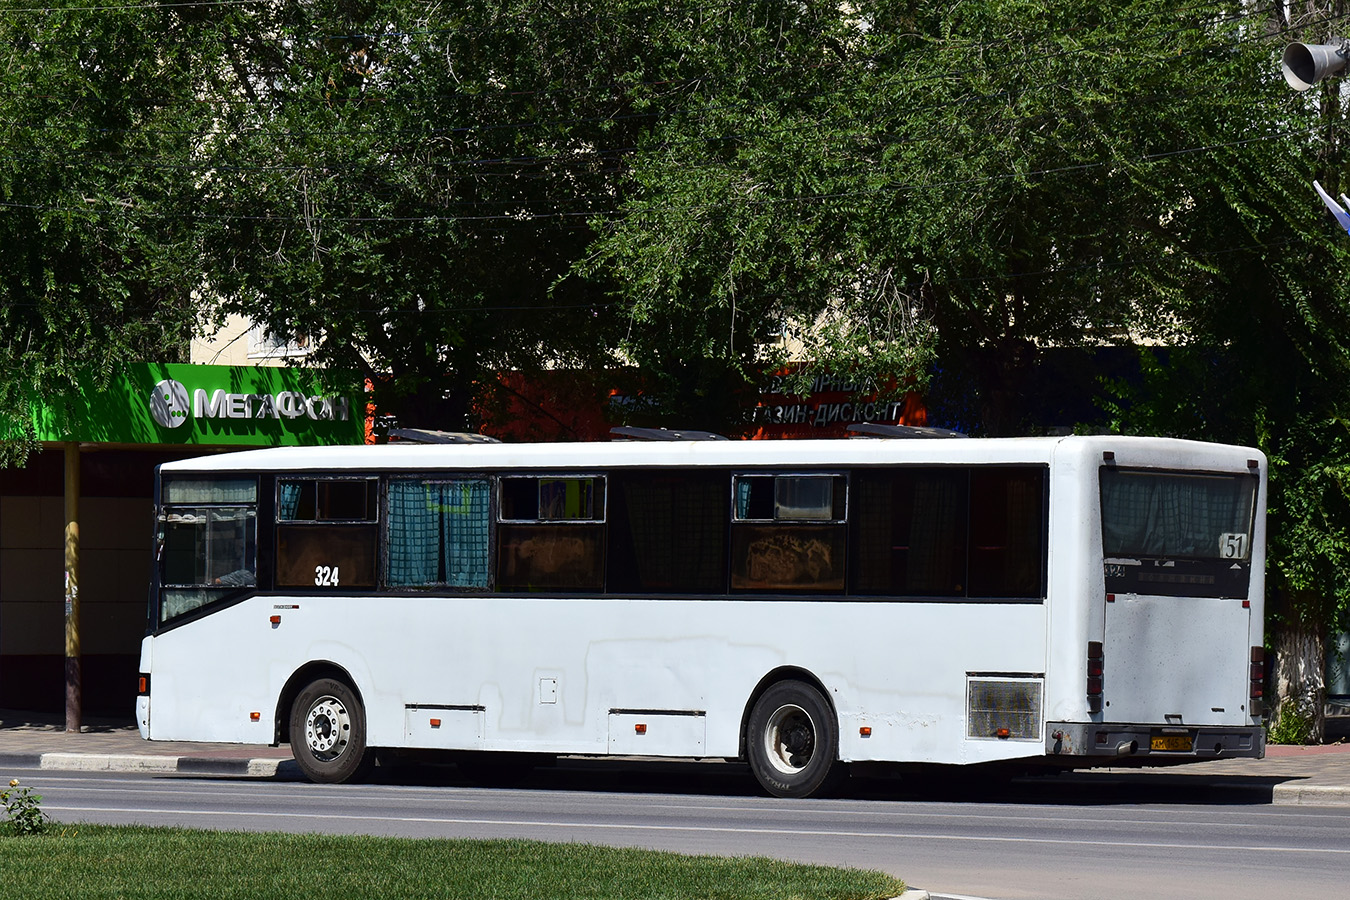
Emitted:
<point x="1029" y="841"/>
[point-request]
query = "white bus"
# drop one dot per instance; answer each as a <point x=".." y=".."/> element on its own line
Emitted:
<point x="800" y="605"/>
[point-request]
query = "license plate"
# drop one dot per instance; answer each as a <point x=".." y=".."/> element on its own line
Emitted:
<point x="1170" y="742"/>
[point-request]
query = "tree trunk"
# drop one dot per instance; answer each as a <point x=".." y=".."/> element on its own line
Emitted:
<point x="1298" y="677"/>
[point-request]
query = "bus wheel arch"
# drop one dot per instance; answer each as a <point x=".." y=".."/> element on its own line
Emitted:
<point x="325" y="722"/>
<point x="790" y="735"/>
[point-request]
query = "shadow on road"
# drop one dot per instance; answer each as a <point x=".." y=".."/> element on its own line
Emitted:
<point x="912" y="783"/>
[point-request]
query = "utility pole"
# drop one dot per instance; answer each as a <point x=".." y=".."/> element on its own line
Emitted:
<point x="73" y="680"/>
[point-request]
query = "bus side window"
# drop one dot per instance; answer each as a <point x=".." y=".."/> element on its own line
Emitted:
<point x="975" y="532"/>
<point x="1007" y="532"/>
<point x="551" y="533"/>
<point x="909" y="532"/>
<point x="668" y="532"/>
<point x="206" y="542"/>
<point x="326" y="533"/>
<point x="788" y="532"/>
<point x="439" y="533"/>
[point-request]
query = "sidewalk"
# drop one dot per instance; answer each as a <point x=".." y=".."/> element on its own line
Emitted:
<point x="1313" y="776"/>
<point x="39" y="740"/>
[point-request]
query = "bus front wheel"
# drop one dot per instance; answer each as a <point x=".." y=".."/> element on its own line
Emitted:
<point x="328" y="733"/>
<point x="793" y="741"/>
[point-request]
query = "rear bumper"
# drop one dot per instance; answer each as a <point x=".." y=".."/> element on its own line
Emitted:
<point x="1101" y="742"/>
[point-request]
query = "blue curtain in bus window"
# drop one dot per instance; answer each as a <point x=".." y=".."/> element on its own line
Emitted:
<point x="288" y="500"/>
<point x="438" y="533"/>
<point x="465" y="544"/>
<point x="1161" y="515"/>
<point x="414" y="534"/>
<point x="743" y="486"/>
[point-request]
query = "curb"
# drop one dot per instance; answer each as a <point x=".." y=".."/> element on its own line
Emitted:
<point x="155" y="765"/>
<point x="1310" y="795"/>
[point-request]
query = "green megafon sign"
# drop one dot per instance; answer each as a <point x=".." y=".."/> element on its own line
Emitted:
<point x="151" y="403"/>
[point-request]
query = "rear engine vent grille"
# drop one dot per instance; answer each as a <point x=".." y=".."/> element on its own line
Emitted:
<point x="1003" y="709"/>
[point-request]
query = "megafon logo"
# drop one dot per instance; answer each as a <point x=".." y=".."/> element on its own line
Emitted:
<point x="169" y="403"/>
<point x="170" y="406"/>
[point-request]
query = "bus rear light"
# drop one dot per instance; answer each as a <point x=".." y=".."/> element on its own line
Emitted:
<point x="143" y="684"/>
<point x="1096" y="671"/>
<point x="1257" y="680"/>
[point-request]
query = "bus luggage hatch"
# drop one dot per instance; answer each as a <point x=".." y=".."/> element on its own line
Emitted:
<point x="1170" y="657"/>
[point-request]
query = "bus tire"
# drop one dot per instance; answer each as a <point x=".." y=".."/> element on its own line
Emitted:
<point x="328" y="733"/>
<point x="792" y="741"/>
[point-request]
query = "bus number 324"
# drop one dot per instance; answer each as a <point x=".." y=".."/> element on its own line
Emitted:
<point x="326" y="576"/>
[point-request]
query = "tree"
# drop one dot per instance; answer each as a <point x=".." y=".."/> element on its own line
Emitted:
<point x="97" y="237"/>
<point x="408" y="185"/>
<point x="740" y="227"/>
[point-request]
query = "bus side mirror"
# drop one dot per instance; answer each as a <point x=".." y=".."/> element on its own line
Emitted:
<point x="1306" y="64"/>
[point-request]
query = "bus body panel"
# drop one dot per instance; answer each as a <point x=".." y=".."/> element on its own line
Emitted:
<point x="572" y="663"/>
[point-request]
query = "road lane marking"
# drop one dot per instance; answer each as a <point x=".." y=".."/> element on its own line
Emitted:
<point x="461" y="797"/>
<point x="714" y="829"/>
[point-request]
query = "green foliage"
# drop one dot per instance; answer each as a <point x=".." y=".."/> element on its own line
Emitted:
<point x="1294" y="725"/>
<point x="96" y="232"/>
<point x="23" y="810"/>
<point x="149" y="862"/>
<point x="414" y="183"/>
<point x="895" y="186"/>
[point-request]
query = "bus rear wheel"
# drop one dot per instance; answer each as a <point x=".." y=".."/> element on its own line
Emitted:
<point x="792" y="741"/>
<point x="328" y="733"/>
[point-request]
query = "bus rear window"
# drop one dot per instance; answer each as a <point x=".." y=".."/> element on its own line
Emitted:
<point x="1174" y="515"/>
<point x="1177" y="534"/>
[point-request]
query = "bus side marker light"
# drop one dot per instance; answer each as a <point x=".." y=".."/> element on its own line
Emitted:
<point x="1003" y="733"/>
<point x="640" y="728"/>
<point x="275" y="620"/>
<point x="435" y="723"/>
<point x="255" y="717"/>
<point x="865" y="731"/>
<point x="1246" y="604"/>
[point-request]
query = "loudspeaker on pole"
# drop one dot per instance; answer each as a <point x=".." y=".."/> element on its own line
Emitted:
<point x="1306" y="64"/>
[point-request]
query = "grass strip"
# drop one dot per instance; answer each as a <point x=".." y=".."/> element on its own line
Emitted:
<point x="89" y="861"/>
